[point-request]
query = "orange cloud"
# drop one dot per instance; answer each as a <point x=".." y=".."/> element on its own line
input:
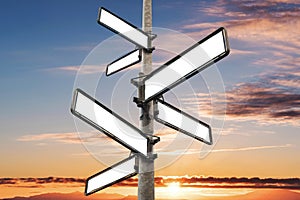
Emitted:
<point x="162" y="181"/>
<point x="272" y="25"/>
<point x="67" y="138"/>
<point x="56" y="137"/>
<point x="272" y="98"/>
<point x="82" y="69"/>
<point x="251" y="148"/>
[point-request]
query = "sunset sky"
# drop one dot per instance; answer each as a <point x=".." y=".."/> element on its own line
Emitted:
<point x="44" y="43"/>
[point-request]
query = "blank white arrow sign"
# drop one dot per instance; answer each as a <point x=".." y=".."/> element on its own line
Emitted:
<point x="183" y="122"/>
<point x="123" y="62"/>
<point x="97" y="115"/>
<point x="114" y="174"/>
<point x="196" y="58"/>
<point x="123" y="28"/>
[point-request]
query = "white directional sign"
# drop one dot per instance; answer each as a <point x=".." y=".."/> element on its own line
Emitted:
<point x="114" y="174"/>
<point x="123" y="62"/>
<point x="124" y="28"/>
<point x="201" y="55"/>
<point x="183" y="122"/>
<point x="97" y="115"/>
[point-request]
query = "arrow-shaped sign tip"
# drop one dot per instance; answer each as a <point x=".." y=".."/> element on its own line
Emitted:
<point x="174" y="118"/>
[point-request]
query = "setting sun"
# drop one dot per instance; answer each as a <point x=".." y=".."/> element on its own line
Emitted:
<point x="174" y="188"/>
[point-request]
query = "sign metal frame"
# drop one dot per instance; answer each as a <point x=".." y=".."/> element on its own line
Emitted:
<point x="86" y="192"/>
<point x="195" y="71"/>
<point x="173" y="126"/>
<point x="148" y="47"/>
<point x="101" y="129"/>
<point x="126" y="66"/>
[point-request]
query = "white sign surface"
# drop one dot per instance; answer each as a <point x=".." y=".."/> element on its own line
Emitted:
<point x="103" y="119"/>
<point x="204" y="53"/>
<point x="183" y="122"/>
<point x="129" y="59"/>
<point x="124" y="28"/>
<point x="114" y="174"/>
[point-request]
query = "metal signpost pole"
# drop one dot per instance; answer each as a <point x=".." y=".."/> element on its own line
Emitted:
<point x="146" y="166"/>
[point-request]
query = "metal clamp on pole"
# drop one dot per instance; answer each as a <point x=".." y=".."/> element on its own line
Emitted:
<point x="153" y="156"/>
<point x="145" y="107"/>
<point x="152" y="36"/>
<point x="150" y="50"/>
<point x="153" y="138"/>
<point x="138" y="81"/>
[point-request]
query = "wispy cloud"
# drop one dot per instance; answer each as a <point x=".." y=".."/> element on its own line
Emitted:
<point x="97" y="143"/>
<point x="44" y="180"/>
<point x="82" y="47"/>
<point x="266" y="31"/>
<point x="190" y="151"/>
<point x="269" y="98"/>
<point x="268" y="27"/>
<point x="54" y="137"/>
<point x="248" y="8"/>
<point x="82" y="69"/>
<point x="67" y="138"/>
<point x="252" y="148"/>
<point x="273" y="96"/>
<point x="269" y="30"/>
<point x="241" y="52"/>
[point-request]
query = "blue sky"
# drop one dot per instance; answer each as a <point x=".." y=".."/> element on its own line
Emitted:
<point x="42" y="40"/>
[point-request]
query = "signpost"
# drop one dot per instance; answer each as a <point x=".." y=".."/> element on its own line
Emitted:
<point x="151" y="86"/>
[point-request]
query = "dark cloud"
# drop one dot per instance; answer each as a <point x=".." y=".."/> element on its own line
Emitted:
<point x="72" y="196"/>
<point x="273" y="98"/>
<point x="213" y="182"/>
<point x="233" y="182"/>
<point x="270" y="97"/>
<point x="193" y="181"/>
<point x="46" y="180"/>
<point x="7" y="181"/>
<point x="248" y="8"/>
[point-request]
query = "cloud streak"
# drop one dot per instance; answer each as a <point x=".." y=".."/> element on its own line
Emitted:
<point x="272" y="98"/>
<point x="44" y="180"/>
<point x="269" y="30"/>
<point x="82" y="69"/>
<point x="65" y="138"/>
<point x="251" y="148"/>
<point x="266" y="27"/>
<point x="70" y="138"/>
<point x="164" y="181"/>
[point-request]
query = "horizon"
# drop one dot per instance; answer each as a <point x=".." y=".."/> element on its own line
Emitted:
<point x="190" y="187"/>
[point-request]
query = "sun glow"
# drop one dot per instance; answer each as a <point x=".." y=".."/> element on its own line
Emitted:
<point x="174" y="188"/>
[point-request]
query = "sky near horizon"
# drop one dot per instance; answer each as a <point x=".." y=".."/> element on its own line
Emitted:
<point x="43" y="43"/>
